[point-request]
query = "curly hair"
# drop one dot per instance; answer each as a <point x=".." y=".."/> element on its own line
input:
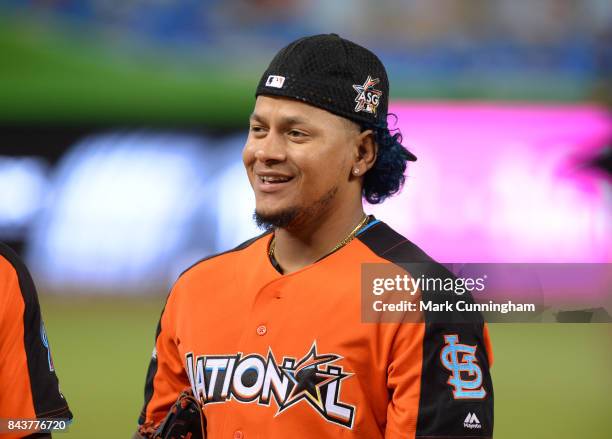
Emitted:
<point x="386" y="177"/>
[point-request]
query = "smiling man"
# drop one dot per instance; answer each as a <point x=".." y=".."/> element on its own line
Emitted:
<point x="269" y="336"/>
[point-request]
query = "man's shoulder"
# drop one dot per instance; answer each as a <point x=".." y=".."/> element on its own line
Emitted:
<point x="388" y="244"/>
<point x="9" y="260"/>
<point x="440" y="280"/>
<point x="214" y="261"/>
<point x="14" y="271"/>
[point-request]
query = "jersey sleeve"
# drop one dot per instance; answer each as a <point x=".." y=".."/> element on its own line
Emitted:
<point x="166" y="377"/>
<point x="443" y="371"/>
<point x="30" y="388"/>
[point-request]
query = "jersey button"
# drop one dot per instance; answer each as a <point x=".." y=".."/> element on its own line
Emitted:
<point x="238" y="434"/>
<point x="261" y="330"/>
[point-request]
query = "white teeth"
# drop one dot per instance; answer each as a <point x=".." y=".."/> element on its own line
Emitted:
<point x="270" y="179"/>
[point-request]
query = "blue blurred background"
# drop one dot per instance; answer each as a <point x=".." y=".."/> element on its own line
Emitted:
<point x="121" y="126"/>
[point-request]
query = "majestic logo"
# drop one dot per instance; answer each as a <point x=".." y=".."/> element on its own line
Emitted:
<point x="466" y="375"/>
<point x="275" y="81"/>
<point x="471" y="421"/>
<point x="253" y="378"/>
<point x="367" y="98"/>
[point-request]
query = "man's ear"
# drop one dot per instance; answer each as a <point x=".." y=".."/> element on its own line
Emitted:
<point x="366" y="151"/>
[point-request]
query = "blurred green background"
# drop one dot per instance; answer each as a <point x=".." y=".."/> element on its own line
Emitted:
<point x="550" y="380"/>
<point x="186" y="62"/>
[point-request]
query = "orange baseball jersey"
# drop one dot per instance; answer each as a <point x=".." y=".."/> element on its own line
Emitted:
<point x="273" y="355"/>
<point x="28" y="385"/>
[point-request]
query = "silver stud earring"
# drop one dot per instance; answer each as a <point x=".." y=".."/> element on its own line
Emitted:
<point x="356" y="171"/>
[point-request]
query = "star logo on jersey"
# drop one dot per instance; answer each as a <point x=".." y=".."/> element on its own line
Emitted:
<point x="309" y="380"/>
<point x="466" y="375"/>
<point x="368" y="97"/>
<point x="314" y="379"/>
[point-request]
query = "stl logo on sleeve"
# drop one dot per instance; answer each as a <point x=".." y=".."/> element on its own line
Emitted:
<point x="466" y="376"/>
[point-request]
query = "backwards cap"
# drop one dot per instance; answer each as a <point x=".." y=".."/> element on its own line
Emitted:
<point x="331" y="73"/>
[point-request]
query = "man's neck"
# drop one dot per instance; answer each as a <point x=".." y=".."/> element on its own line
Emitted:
<point x="295" y="249"/>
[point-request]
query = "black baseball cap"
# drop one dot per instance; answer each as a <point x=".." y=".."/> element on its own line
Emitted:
<point x="334" y="74"/>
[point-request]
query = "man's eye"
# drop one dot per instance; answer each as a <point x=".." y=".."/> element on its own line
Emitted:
<point x="295" y="133"/>
<point x="256" y="129"/>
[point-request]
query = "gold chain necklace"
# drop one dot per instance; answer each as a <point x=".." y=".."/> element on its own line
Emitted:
<point x="342" y="243"/>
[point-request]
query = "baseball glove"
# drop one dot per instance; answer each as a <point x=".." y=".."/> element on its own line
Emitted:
<point x="185" y="420"/>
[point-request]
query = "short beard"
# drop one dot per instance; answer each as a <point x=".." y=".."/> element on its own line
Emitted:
<point x="294" y="217"/>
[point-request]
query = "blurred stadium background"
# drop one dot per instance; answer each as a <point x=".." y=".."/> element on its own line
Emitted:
<point x="121" y="125"/>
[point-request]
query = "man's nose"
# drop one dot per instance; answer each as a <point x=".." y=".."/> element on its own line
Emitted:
<point x="270" y="148"/>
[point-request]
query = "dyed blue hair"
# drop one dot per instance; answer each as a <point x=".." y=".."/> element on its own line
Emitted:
<point x="386" y="177"/>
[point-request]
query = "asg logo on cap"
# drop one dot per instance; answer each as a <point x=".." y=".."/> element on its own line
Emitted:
<point x="368" y="97"/>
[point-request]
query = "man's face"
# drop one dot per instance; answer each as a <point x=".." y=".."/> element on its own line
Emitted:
<point x="298" y="159"/>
